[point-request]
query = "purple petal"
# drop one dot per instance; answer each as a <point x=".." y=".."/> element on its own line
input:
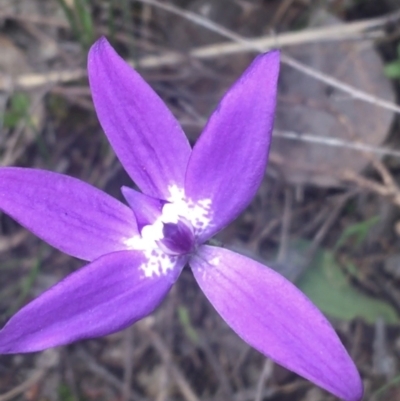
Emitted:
<point x="274" y="317"/>
<point x="103" y="297"/>
<point x="146" y="137"/>
<point x="229" y="159"/>
<point x="69" y="214"/>
<point x="146" y="208"/>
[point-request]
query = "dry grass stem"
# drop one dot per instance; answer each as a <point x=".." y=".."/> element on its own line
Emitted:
<point x="166" y="357"/>
<point x="336" y="142"/>
<point x="266" y="374"/>
<point x="285" y="228"/>
<point x="48" y="360"/>
<point x="128" y="363"/>
<point x="318" y="75"/>
<point x="355" y="30"/>
<point x="100" y="371"/>
<point x="388" y="189"/>
<point x="23" y="387"/>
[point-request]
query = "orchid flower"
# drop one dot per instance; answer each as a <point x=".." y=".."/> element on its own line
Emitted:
<point x="137" y="252"/>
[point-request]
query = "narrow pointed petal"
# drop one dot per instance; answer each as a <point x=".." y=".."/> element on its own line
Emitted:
<point x="103" y="297"/>
<point x="229" y="159"/>
<point x="69" y="214"/>
<point x="274" y="317"/>
<point x="146" y="137"/>
<point x="146" y="208"/>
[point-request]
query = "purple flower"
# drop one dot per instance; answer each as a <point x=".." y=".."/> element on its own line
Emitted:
<point x="137" y="253"/>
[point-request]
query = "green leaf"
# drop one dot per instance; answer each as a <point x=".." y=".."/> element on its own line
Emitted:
<point x="18" y="110"/>
<point x="357" y="231"/>
<point x="329" y="288"/>
<point x="65" y="393"/>
<point x="80" y="19"/>
<point x="184" y="319"/>
<point x="392" y="70"/>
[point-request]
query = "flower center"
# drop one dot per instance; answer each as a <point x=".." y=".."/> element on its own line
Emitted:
<point x="178" y="238"/>
<point x="176" y="227"/>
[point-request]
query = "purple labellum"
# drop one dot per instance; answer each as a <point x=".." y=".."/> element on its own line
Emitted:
<point x="146" y="208"/>
<point x="178" y="238"/>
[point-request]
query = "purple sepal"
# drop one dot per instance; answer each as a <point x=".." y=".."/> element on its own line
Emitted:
<point x="69" y="214"/>
<point x="103" y="297"/>
<point x="144" y="134"/>
<point x="274" y="317"/>
<point x="229" y="159"/>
